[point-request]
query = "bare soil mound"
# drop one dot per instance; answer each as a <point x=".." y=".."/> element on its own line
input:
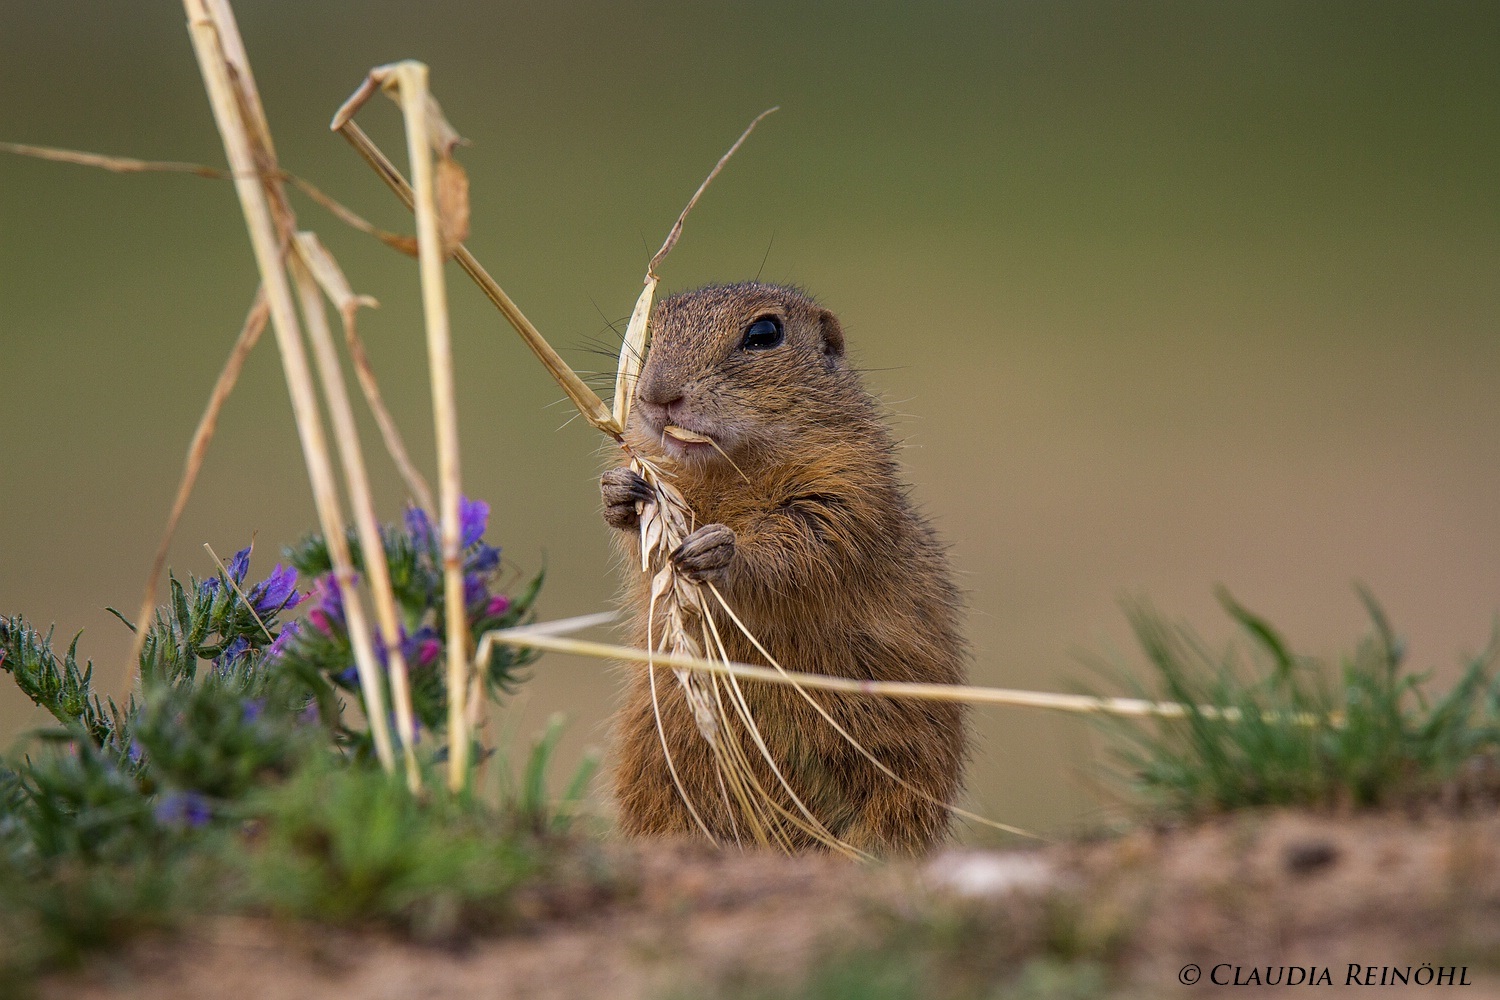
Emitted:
<point x="1246" y="899"/>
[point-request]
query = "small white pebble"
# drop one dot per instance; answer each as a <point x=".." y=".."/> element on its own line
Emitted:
<point x="982" y="873"/>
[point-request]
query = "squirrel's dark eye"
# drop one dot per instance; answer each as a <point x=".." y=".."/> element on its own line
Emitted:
<point x="762" y="335"/>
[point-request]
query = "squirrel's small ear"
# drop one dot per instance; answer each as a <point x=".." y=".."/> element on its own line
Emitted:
<point x="833" y="334"/>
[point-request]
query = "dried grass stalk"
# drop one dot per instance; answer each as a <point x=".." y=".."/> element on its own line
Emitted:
<point x="331" y="279"/>
<point x="552" y="637"/>
<point x="249" y="336"/>
<point x="585" y="399"/>
<point x="428" y="132"/>
<point x="131" y="165"/>
<point x="357" y="481"/>
<point x="247" y="144"/>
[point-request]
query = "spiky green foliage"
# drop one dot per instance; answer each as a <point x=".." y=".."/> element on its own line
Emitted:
<point x="234" y="777"/>
<point x="58" y="685"/>
<point x="1277" y="728"/>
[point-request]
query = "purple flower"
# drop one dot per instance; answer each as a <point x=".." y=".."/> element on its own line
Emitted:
<point x="329" y="614"/>
<point x="428" y="651"/>
<point x="310" y="715"/>
<point x="276" y="592"/>
<point x="236" y="649"/>
<point x="183" y="809"/>
<point x="473" y="518"/>
<point x="484" y="559"/>
<point x="278" y="645"/>
<point x="350" y="676"/>
<point x="476" y="590"/>
<point x="209" y="587"/>
<point x="499" y="604"/>
<point x="422" y="647"/>
<point x="419" y="527"/>
<point x="135" y="752"/>
<point x="240" y="565"/>
<point x="253" y="708"/>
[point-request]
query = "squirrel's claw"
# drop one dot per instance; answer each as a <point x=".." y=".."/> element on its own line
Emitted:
<point x="622" y="489"/>
<point x="704" y="555"/>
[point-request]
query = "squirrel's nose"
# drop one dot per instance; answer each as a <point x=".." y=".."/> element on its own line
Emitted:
<point x="659" y="392"/>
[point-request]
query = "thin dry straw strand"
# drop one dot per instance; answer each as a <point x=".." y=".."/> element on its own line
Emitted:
<point x="132" y="165"/>
<point x="357" y="481"/>
<point x="235" y="586"/>
<point x="412" y="77"/>
<point x="423" y="126"/>
<point x="334" y="285"/>
<point x="212" y="38"/>
<point x="633" y="349"/>
<point x="550" y="636"/>
<point x="326" y="270"/>
<point x="249" y="336"/>
<point x="584" y="398"/>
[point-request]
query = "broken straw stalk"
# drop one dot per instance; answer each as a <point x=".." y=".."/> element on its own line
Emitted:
<point x="248" y="147"/>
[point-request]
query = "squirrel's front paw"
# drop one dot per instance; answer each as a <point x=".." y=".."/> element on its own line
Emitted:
<point x="622" y="489"/>
<point x="705" y="554"/>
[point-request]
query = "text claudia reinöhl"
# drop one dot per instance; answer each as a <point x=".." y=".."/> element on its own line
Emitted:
<point x="1426" y="974"/>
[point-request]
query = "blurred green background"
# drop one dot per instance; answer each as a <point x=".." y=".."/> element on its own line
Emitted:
<point x="1161" y="295"/>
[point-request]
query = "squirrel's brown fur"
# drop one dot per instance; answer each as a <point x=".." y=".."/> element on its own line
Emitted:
<point x="824" y="559"/>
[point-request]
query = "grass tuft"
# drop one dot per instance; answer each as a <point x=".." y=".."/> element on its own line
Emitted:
<point x="1265" y="726"/>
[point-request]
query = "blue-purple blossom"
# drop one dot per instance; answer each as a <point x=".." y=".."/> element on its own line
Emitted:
<point x="240" y="565"/>
<point x="276" y="592"/>
<point x="428" y="651"/>
<point x="239" y="647"/>
<point x="473" y="519"/>
<point x="476" y="590"/>
<point x="135" y="752"/>
<point x="253" y="708"/>
<point x="329" y="614"/>
<point x="286" y="635"/>
<point x="419" y="527"/>
<point x="422" y="646"/>
<point x="183" y="809"/>
<point x="419" y="649"/>
<point x="209" y="587"/>
<point x="484" y="559"/>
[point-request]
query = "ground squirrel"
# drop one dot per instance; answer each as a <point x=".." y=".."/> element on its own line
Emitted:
<point x="808" y="532"/>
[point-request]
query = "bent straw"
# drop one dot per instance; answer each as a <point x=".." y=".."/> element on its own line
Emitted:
<point x="132" y="165"/>
<point x="426" y="128"/>
<point x="214" y="36"/>
<point x="336" y="287"/>
<point x="415" y="98"/>
<point x="585" y="399"/>
<point x="550" y="636"/>
<point x="357" y="482"/>
<point x="250" y="331"/>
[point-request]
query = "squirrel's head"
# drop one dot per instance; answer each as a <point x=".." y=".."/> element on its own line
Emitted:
<point x="748" y="365"/>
